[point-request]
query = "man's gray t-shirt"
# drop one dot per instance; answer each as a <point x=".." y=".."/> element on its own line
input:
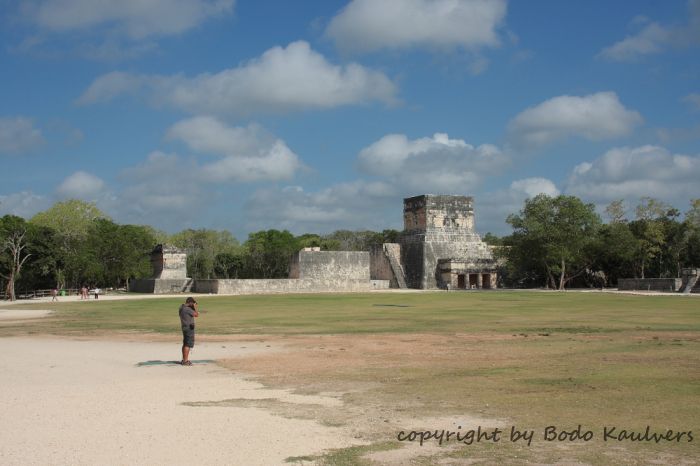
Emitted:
<point x="186" y="316"/>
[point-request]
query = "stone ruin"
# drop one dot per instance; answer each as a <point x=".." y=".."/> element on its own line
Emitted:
<point x="438" y="249"/>
<point x="169" y="272"/>
<point x="688" y="283"/>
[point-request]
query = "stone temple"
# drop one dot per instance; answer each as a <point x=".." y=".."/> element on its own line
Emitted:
<point x="438" y="249"/>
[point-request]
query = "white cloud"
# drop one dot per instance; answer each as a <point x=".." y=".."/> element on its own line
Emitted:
<point x="596" y="117"/>
<point x="135" y="19"/>
<point x="278" y="163"/>
<point x="632" y="173"/>
<point x="23" y="204"/>
<point x="353" y="205"/>
<point x="436" y="164"/>
<point x="655" y="38"/>
<point x="250" y="153"/>
<point x="162" y="183"/>
<point x="110" y="85"/>
<point x="492" y="208"/>
<point x="18" y="135"/>
<point x="281" y="80"/>
<point x="667" y="135"/>
<point x="649" y="40"/>
<point x="531" y="187"/>
<point x="404" y="167"/>
<point x="369" y="25"/>
<point x="693" y="99"/>
<point x="210" y="135"/>
<point x="81" y="185"/>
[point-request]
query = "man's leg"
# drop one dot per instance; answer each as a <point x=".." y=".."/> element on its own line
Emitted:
<point x="185" y="353"/>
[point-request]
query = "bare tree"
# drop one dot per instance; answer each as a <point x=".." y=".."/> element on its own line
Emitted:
<point x="14" y="244"/>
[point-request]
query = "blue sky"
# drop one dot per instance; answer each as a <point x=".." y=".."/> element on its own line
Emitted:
<point x="314" y="116"/>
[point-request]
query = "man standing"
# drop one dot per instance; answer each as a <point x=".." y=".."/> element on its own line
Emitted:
<point x="188" y="312"/>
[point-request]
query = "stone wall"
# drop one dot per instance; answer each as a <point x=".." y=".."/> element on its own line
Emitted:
<point x="168" y="263"/>
<point x="649" y="284"/>
<point x="286" y="285"/>
<point x="161" y="286"/>
<point x="379" y="266"/>
<point x="330" y="265"/>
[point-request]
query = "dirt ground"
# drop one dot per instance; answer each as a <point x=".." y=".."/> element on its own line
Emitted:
<point x="128" y="402"/>
<point x="256" y="399"/>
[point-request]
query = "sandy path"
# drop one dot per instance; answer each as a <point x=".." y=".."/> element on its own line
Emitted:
<point x="88" y="402"/>
<point x="12" y="314"/>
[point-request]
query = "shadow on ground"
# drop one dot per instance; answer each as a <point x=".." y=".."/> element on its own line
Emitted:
<point x="158" y="362"/>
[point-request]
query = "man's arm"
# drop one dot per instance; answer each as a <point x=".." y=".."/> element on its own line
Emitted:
<point x="195" y="312"/>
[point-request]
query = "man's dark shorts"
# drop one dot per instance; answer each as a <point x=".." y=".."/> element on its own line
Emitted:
<point x="188" y="337"/>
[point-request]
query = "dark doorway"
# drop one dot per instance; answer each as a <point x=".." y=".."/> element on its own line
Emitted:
<point x="472" y="280"/>
<point x="486" y="280"/>
<point x="461" y="281"/>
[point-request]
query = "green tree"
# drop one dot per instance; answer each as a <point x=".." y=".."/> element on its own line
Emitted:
<point x="363" y="240"/>
<point x="310" y="240"/>
<point x="692" y="222"/>
<point x="615" y="251"/>
<point x="493" y="240"/>
<point x="229" y="265"/>
<point x="40" y="271"/>
<point x="616" y="211"/>
<point x="649" y="231"/>
<point x="118" y="252"/>
<point x="13" y="251"/>
<point x="202" y="246"/>
<point x="555" y="234"/>
<point x="71" y="221"/>
<point x="267" y="254"/>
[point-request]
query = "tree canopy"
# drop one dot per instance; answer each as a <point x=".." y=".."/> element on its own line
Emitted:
<point x="554" y="234"/>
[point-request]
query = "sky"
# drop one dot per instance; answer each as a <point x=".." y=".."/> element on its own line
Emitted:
<point x="319" y="115"/>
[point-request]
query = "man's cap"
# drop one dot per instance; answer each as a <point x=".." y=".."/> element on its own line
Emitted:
<point x="190" y="300"/>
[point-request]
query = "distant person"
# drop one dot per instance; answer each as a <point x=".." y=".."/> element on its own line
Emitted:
<point x="54" y="294"/>
<point x="97" y="293"/>
<point x="188" y="312"/>
<point x="83" y="292"/>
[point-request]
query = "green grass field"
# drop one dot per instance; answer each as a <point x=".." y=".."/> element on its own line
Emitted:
<point x="497" y="312"/>
<point x="535" y="359"/>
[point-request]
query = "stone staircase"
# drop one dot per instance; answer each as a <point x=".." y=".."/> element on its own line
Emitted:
<point x="690" y="281"/>
<point x="393" y="254"/>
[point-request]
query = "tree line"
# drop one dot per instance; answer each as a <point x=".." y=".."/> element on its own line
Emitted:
<point x="556" y="242"/>
<point x="74" y="244"/>
<point x="561" y="241"/>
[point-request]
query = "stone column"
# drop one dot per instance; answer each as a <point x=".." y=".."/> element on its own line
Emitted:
<point x="479" y="282"/>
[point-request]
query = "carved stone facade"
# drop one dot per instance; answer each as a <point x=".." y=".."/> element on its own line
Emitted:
<point x="169" y="263"/>
<point x="169" y="273"/>
<point x="439" y="247"/>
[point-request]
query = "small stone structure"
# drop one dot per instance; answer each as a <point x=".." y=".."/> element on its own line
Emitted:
<point x="169" y="263"/>
<point x="169" y="273"/>
<point x="438" y="247"/>
<point x="689" y="283"/>
<point x="649" y="284"/>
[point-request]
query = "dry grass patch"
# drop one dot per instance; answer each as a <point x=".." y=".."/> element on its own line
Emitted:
<point x="395" y="382"/>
